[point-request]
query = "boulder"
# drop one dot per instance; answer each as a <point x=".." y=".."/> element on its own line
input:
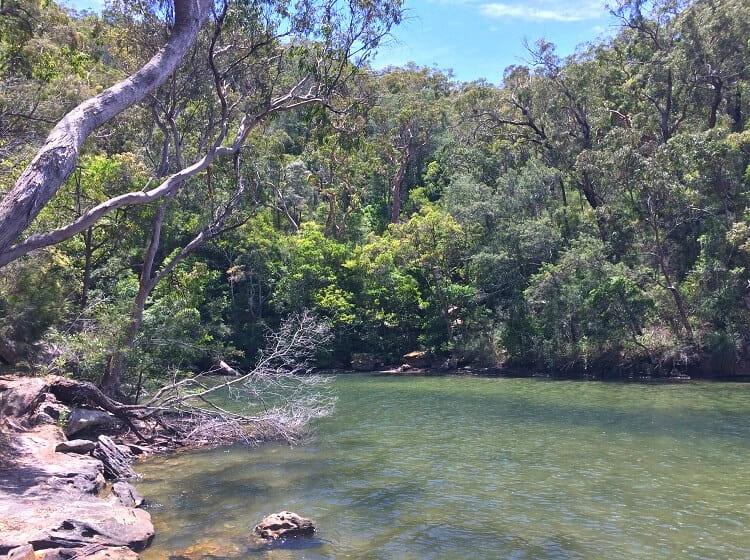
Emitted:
<point x="365" y="362"/>
<point x="86" y="418"/>
<point x="54" y="409"/>
<point x="418" y="359"/>
<point x="126" y="494"/>
<point x="20" y="396"/>
<point x="284" y="524"/>
<point x="116" y="462"/>
<point x="41" y="418"/>
<point x="81" y="446"/>
<point x="25" y="552"/>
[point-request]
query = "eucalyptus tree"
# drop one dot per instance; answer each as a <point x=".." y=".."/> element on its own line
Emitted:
<point x="56" y="159"/>
<point x="328" y="33"/>
<point x="713" y="40"/>
<point x="657" y="75"/>
<point x="261" y="60"/>
<point x="409" y="111"/>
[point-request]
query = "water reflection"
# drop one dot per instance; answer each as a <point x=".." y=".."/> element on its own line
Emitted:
<point x="452" y="468"/>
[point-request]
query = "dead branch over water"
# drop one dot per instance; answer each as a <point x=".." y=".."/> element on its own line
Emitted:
<point x="276" y="400"/>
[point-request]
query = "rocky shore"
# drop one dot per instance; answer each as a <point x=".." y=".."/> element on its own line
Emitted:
<point x="64" y="493"/>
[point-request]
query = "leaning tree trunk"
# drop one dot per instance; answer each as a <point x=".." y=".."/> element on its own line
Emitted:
<point x="57" y="158"/>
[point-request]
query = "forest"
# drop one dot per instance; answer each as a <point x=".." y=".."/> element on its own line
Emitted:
<point x="588" y="216"/>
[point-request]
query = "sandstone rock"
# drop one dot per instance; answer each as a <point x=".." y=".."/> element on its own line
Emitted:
<point x="21" y="396"/>
<point x="46" y="497"/>
<point x="418" y="359"/>
<point x="102" y="523"/>
<point x="53" y="408"/>
<point x="41" y="418"/>
<point x="81" y="446"/>
<point x="83" y="482"/>
<point x="284" y="524"/>
<point x="365" y="362"/>
<point x="112" y="553"/>
<point x="126" y="494"/>
<point x="25" y="552"/>
<point x="56" y="554"/>
<point x="116" y="462"/>
<point x="94" y="552"/>
<point x="208" y="549"/>
<point x="86" y="418"/>
<point x="84" y="475"/>
<point x="138" y="449"/>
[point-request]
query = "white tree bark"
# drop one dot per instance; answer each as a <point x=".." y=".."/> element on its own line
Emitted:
<point x="57" y="158"/>
<point x="170" y="185"/>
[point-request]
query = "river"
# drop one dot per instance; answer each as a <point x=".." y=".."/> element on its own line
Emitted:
<point x="479" y="468"/>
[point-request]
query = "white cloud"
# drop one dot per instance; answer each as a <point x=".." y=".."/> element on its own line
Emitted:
<point x="545" y="10"/>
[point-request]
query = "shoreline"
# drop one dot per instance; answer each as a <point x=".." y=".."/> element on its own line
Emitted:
<point x="60" y="502"/>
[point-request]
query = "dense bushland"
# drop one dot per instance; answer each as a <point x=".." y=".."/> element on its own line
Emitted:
<point x="588" y="215"/>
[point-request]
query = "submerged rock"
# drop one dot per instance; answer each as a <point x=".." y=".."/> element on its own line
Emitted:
<point x="207" y="549"/>
<point x="284" y="524"/>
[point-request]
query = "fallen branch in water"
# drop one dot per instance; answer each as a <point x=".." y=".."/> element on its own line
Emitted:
<point x="275" y="401"/>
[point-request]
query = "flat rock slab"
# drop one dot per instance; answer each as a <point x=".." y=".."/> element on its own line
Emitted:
<point x="82" y="446"/>
<point x="47" y="500"/>
<point x="94" y="552"/>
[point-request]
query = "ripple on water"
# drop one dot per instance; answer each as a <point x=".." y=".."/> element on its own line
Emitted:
<point x="451" y="468"/>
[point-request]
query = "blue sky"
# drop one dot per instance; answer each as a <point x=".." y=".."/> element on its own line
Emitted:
<point x="480" y="38"/>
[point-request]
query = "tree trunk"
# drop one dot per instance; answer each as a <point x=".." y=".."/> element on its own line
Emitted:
<point x="57" y="158"/>
<point x="112" y="381"/>
<point x="734" y="110"/>
<point x="674" y="290"/>
<point x="715" y="101"/>
<point x="88" y="240"/>
<point x="587" y="188"/>
<point x="398" y="180"/>
<point x="666" y="112"/>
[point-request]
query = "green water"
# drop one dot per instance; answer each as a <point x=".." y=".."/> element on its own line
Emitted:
<point x="475" y="468"/>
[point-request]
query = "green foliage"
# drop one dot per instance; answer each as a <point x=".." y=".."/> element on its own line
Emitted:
<point x="584" y="306"/>
<point x="34" y="296"/>
<point x="590" y="212"/>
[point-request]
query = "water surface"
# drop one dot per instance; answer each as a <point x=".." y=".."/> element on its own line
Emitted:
<point x="479" y="468"/>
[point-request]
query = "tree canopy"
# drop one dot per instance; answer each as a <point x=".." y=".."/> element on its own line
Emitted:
<point x="215" y="168"/>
